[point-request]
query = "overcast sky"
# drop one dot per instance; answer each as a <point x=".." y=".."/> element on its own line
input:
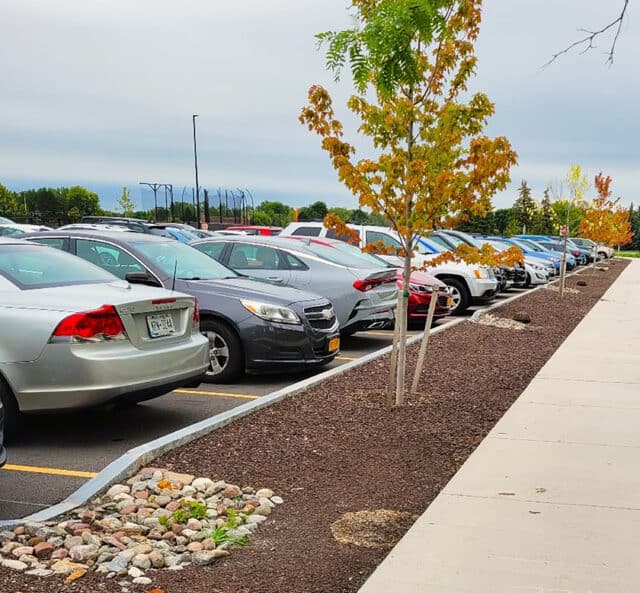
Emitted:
<point x="101" y="94"/>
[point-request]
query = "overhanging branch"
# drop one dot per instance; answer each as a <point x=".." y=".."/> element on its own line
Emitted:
<point x="587" y="42"/>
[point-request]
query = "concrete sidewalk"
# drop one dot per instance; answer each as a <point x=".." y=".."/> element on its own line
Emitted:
<point x="550" y="500"/>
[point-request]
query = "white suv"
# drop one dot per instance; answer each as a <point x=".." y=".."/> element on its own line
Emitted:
<point x="469" y="284"/>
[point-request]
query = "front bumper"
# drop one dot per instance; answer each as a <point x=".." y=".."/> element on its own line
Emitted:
<point x="85" y="375"/>
<point x="483" y="289"/>
<point x="418" y="306"/>
<point x="277" y="346"/>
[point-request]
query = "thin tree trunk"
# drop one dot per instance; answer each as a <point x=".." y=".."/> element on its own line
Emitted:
<point x="425" y="340"/>
<point x="402" y="341"/>
<point x="393" y="365"/>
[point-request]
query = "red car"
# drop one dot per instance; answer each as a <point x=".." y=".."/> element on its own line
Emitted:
<point x="253" y="229"/>
<point x="421" y="288"/>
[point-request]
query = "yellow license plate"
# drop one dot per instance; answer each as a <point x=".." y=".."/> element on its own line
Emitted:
<point x="334" y="344"/>
<point x="449" y="302"/>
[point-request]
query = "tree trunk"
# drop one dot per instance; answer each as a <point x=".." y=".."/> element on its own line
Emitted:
<point x="425" y="340"/>
<point x="402" y="337"/>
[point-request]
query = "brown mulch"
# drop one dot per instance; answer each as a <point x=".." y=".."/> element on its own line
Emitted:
<point x="335" y="450"/>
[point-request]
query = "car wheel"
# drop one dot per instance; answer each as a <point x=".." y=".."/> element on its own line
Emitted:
<point x="225" y="352"/>
<point x="602" y="255"/>
<point x="13" y="417"/>
<point x="459" y="295"/>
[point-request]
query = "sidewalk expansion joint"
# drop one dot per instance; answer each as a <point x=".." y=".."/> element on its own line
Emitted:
<point x="561" y="442"/>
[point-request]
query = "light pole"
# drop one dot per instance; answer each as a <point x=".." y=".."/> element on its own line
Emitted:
<point x="195" y="162"/>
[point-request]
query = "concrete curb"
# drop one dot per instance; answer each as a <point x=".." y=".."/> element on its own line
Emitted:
<point x="130" y="462"/>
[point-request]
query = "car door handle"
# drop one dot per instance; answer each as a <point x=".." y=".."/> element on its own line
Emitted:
<point x="274" y="278"/>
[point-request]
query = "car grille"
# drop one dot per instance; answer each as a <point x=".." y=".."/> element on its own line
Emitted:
<point x="322" y="317"/>
<point x="443" y="300"/>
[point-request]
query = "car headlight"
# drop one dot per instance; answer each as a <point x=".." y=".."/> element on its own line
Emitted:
<point x="482" y="273"/>
<point x="270" y="312"/>
<point x="420" y="288"/>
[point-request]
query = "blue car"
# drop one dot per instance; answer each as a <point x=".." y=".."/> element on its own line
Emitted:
<point x="548" y="245"/>
<point x="530" y="249"/>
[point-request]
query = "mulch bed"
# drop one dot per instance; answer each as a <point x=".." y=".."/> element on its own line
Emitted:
<point x="335" y="449"/>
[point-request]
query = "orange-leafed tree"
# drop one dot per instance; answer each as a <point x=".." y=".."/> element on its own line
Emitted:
<point x="411" y="62"/>
<point x="604" y="221"/>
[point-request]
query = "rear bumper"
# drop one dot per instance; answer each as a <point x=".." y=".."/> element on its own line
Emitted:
<point x="367" y="313"/>
<point x="87" y="375"/>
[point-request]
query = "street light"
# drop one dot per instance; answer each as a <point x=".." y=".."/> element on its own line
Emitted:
<point x="195" y="161"/>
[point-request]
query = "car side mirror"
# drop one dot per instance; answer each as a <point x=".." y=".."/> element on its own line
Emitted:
<point x="142" y="278"/>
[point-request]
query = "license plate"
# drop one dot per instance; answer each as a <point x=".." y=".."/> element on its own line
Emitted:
<point x="334" y="344"/>
<point x="160" y="325"/>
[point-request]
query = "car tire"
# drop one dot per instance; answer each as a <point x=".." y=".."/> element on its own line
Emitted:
<point x="225" y="352"/>
<point x="13" y="417"/>
<point x="602" y="255"/>
<point x="459" y="295"/>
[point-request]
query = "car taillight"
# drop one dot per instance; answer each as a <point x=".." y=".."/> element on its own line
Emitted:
<point x="196" y="314"/>
<point x="364" y="285"/>
<point x="575" y="253"/>
<point x="91" y="326"/>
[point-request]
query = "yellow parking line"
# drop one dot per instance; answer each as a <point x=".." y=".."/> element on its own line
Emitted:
<point x="49" y="470"/>
<point x="216" y="393"/>
<point x="345" y="358"/>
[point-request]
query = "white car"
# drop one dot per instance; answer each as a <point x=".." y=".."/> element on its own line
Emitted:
<point x="468" y="284"/>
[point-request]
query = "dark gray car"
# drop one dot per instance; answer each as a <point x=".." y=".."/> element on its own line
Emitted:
<point x="251" y="325"/>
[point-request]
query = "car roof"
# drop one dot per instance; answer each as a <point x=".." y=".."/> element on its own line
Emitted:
<point x="274" y="241"/>
<point x="113" y="236"/>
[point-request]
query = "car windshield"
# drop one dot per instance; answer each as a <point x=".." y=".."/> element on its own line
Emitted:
<point x="36" y="266"/>
<point x="187" y="262"/>
<point x="430" y="246"/>
<point x="10" y="230"/>
<point x="346" y="255"/>
<point x="527" y="245"/>
<point x="4" y="220"/>
<point x="499" y="245"/>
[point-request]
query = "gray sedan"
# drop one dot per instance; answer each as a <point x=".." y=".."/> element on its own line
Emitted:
<point x="361" y="287"/>
<point x="73" y="335"/>
<point x="251" y="325"/>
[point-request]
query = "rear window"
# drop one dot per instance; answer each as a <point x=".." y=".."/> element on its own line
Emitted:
<point x="307" y="231"/>
<point x="33" y="266"/>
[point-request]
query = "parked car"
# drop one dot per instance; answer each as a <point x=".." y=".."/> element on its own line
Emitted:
<point x="536" y="270"/>
<point x="4" y="220"/>
<point x="251" y="326"/>
<point x="254" y="229"/>
<point x="87" y="226"/>
<point x="601" y="251"/>
<point x="361" y="288"/>
<point x="468" y="284"/>
<point x="8" y="230"/>
<point x="135" y="224"/>
<point x="544" y="242"/>
<point x="73" y="335"/>
<point x="170" y="231"/>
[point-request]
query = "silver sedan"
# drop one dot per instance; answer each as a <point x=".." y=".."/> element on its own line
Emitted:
<point x="73" y="335"/>
<point x="361" y="288"/>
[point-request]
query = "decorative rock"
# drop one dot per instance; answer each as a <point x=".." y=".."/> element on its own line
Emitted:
<point x="219" y="486"/>
<point x="142" y="581"/>
<point x="256" y="519"/>
<point x="82" y="553"/>
<point x="129" y="509"/>
<point x="134" y="572"/>
<point x="157" y="559"/>
<point x="204" y="557"/>
<point x="20" y="530"/>
<point x="40" y="572"/>
<point x="195" y="547"/>
<point x="263" y="510"/>
<point x="141" y="561"/>
<point x="231" y="491"/>
<point x="142" y="549"/>
<point x="194" y="524"/>
<point x="43" y="550"/>
<point x="581" y="283"/>
<point x="66" y="567"/>
<point x="162" y="501"/>
<point x="117" y="489"/>
<point x="6" y="536"/>
<point x="266" y="492"/>
<point x="14" y="564"/>
<point x="174" y="505"/>
<point x="277" y="499"/>
<point x="173" y="477"/>
<point x="22" y="551"/>
<point x="72" y="541"/>
<point x="522" y="317"/>
<point x="60" y="554"/>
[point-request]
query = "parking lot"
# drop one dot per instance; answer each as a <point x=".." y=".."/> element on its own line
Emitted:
<point x="58" y="453"/>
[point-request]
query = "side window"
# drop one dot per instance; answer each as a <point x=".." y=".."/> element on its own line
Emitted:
<point x="294" y="263"/>
<point x="254" y="257"/>
<point x="57" y="242"/>
<point x="308" y="231"/>
<point x="108" y="257"/>
<point x="213" y="250"/>
<point x="331" y="234"/>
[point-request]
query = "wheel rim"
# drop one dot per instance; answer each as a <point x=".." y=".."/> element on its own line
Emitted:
<point x="456" y="297"/>
<point x="218" y="353"/>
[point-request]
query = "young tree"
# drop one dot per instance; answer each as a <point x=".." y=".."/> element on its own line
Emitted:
<point x="82" y="201"/>
<point x="547" y="216"/>
<point x="125" y="203"/>
<point x="524" y="209"/>
<point x="8" y="201"/>
<point x="411" y="62"/>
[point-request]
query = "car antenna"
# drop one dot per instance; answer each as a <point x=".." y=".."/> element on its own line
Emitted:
<point x="175" y="271"/>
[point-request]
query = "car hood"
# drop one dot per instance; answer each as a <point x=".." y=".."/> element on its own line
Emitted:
<point x="248" y="288"/>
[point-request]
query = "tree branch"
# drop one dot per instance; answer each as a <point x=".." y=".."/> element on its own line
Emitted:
<point x="590" y="38"/>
